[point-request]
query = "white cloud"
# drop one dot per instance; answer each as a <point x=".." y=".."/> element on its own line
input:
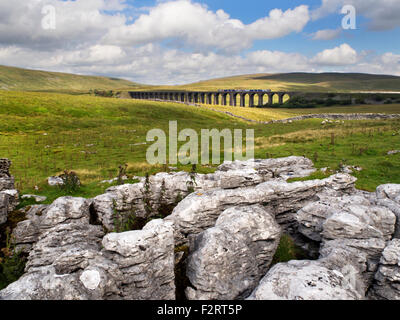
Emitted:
<point x="181" y="22"/>
<point x="392" y="59"/>
<point x="192" y="24"/>
<point x="77" y="22"/>
<point x="276" y="60"/>
<point x="383" y="14"/>
<point x="154" y="64"/>
<point x="327" y="34"/>
<point x="88" y="40"/>
<point x="339" y="56"/>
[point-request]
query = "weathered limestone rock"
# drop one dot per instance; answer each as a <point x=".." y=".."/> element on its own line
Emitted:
<point x="13" y="199"/>
<point x="355" y="216"/>
<point x="227" y="261"/>
<point x="65" y="241"/>
<point x="360" y="222"/>
<point x="353" y="230"/>
<point x="389" y="191"/>
<point x="55" y="181"/>
<point x="312" y="217"/>
<point x="28" y="231"/>
<point x="388" y="195"/>
<point x="44" y="284"/>
<point x="304" y="280"/>
<point x="3" y="207"/>
<point x="66" y="259"/>
<point x="387" y="280"/>
<point x="34" y="197"/>
<point x="356" y="259"/>
<point x="9" y="200"/>
<point x="169" y="188"/>
<point x="146" y="261"/>
<point x="290" y="167"/>
<point x="9" y="197"/>
<point x="232" y="223"/>
<point x="199" y="211"/>
<point x="6" y="180"/>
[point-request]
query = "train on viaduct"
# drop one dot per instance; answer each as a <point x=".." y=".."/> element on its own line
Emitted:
<point x="223" y="97"/>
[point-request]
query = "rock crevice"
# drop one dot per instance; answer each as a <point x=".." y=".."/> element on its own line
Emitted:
<point x="232" y="224"/>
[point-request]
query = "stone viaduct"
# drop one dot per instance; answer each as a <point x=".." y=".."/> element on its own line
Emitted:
<point x="224" y="97"/>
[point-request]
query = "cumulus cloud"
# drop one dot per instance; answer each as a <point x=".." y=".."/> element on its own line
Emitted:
<point x="153" y="64"/>
<point x="339" y="56"/>
<point x="327" y="34"/>
<point x="273" y="60"/>
<point x="183" y="22"/>
<point x="382" y="14"/>
<point x="95" y="37"/>
<point x="192" y="24"/>
<point x="77" y="22"/>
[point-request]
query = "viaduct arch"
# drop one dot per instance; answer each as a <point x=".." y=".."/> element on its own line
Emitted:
<point x="234" y="98"/>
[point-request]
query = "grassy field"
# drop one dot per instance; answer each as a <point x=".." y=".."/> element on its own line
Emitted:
<point x="311" y="82"/>
<point x="382" y="108"/>
<point x="58" y="126"/>
<point x="22" y="79"/>
<point x="46" y="133"/>
<point x="268" y="114"/>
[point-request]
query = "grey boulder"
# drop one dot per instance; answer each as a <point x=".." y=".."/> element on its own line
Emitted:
<point x="387" y="280"/>
<point x="304" y="280"/>
<point x="228" y="260"/>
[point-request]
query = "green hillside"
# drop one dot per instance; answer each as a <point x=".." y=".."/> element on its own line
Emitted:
<point x="32" y="80"/>
<point x="312" y="82"/>
<point x="46" y="133"/>
<point x="17" y="79"/>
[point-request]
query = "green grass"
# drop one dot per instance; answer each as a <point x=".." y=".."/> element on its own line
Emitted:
<point x="311" y="82"/>
<point x="46" y="133"/>
<point x="383" y="108"/>
<point x="22" y="79"/>
<point x="288" y="251"/>
<point x="12" y="78"/>
<point x="268" y="114"/>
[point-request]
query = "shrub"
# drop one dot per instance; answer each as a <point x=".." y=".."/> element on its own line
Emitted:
<point x="122" y="173"/>
<point x="102" y="93"/>
<point x="71" y="182"/>
<point x="12" y="263"/>
<point x="146" y="192"/>
<point x="127" y="222"/>
<point x="192" y="182"/>
<point x="164" y="208"/>
<point x="360" y="101"/>
<point x="345" y="102"/>
<point x="287" y="251"/>
<point x="330" y="102"/>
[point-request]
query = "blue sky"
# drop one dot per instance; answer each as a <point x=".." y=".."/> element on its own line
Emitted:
<point x="180" y="41"/>
<point x="250" y="10"/>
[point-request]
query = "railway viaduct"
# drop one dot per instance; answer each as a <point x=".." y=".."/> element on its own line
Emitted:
<point x="226" y="97"/>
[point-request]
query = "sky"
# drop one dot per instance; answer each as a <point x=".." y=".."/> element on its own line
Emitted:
<point x="184" y="41"/>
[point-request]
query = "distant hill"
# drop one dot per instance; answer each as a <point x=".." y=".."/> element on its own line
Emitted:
<point x="313" y="82"/>
<point x="12" y="78"/>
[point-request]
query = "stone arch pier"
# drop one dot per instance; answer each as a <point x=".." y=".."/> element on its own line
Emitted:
<point x="234" y="98"/>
